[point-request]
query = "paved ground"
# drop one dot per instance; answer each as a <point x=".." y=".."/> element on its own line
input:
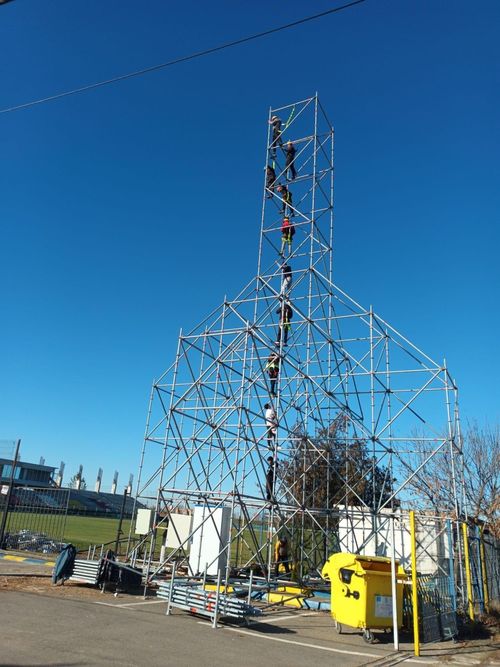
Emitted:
<point x="57" y="626"/>
<point x="28" y="560"/>
<point x="9" y="558"/>
<point x="43" y="630"/>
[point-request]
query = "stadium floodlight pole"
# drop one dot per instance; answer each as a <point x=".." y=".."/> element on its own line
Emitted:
<point x="9" y="494"/>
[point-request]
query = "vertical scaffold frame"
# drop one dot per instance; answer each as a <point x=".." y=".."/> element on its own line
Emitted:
<point x="360" y="413"/>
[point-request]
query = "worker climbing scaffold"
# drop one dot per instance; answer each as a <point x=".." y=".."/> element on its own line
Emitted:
<point x="285" y="313"/>
<point x="273" y="370"/>
<point x="287" y="234"/>
<point x="276" y="141"/>
<point x="271" y="425"/>
<point x="270" y="181"/>
<point x="289" y="161"/>
<point x="286" y="200"/>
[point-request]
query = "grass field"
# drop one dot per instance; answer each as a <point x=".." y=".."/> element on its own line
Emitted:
<point x="79" y="530"/>
<point x="82" y="530"/>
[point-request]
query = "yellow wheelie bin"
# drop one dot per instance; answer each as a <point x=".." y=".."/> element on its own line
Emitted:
<point x="361" y="592"/>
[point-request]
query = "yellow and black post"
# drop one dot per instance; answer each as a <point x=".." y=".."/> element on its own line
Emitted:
<point x="414" y="589"/>
<point x="468" y="576"/>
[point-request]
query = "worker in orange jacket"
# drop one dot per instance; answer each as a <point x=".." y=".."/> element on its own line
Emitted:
<point x="281" y="556"/>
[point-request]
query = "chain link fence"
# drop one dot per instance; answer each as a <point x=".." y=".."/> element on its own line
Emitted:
<point x="36" y="519"/>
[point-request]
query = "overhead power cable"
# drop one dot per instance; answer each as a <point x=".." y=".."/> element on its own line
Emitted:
<point x="183" y="59"/>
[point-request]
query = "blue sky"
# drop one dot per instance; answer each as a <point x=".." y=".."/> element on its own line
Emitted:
<point x="129" y="211"/>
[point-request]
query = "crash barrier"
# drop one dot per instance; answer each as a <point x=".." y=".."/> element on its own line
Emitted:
<point x="212" y="604"/>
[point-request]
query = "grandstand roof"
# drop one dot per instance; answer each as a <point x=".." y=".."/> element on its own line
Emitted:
<point x="26" y="464"/>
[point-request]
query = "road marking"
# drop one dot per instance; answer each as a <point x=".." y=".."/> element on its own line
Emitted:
<point x="133" y="604"/>
<point x="128" y="604"/>
<point x="278" y="639"/>
<point x="290" y="641"/>
<point x="274" y="620"/>
<point x="27" y="559"/>
<point x="281" y="618"/>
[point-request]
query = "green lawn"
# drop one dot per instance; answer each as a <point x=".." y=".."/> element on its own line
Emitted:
<point x="79" y="530"/>
<point x="82" y="530"/>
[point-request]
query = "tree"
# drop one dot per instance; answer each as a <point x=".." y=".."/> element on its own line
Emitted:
<point x="482" y="474"/>
<point x="333" y="468"/>
<point x="73" y="482"/>
<point x="480" y="466"/>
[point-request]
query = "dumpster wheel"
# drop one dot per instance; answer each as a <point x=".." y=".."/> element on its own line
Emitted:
<point x="338" y="628"/>
<point x="368" y="636"/>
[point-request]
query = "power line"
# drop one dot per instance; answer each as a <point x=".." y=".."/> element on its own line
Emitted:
<point x="183" y="59"/>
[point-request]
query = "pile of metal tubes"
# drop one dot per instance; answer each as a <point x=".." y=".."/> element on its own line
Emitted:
<point x="195" y="599"/>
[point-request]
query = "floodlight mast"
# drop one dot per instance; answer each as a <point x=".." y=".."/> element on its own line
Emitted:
<point x="346" y="389"/>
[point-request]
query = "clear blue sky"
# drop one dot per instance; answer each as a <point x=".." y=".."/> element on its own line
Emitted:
<point x="129" y="211"/>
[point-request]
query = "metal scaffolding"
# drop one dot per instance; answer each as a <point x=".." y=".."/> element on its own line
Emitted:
<point x="356" y="413"/>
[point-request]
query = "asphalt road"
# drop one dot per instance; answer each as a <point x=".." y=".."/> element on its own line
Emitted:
<point x="57" y="627"/>
<point x="46" y="630"/>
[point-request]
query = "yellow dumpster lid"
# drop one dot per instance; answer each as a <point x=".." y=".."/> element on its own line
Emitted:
<point x="371" y="559"/>
<point x="344" y="559"/>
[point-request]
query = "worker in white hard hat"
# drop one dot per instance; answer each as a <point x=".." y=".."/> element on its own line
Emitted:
<point x="276" y="141"/>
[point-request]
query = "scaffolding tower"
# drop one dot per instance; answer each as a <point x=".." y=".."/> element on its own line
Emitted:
<point x="291" y="409"/>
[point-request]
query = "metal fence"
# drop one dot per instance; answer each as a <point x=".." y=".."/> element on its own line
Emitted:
<point x="484" y="567"/>
<point x="457" y="575"/>
<point x="437" y="592"/>
<point x="491" y="553"/>
<point x="36" y="519"/>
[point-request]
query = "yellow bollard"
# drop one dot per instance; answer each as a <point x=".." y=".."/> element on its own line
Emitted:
<point x="483" y="570"/>
<point x="414" y="590"/>
<point x="468" y="577"/>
